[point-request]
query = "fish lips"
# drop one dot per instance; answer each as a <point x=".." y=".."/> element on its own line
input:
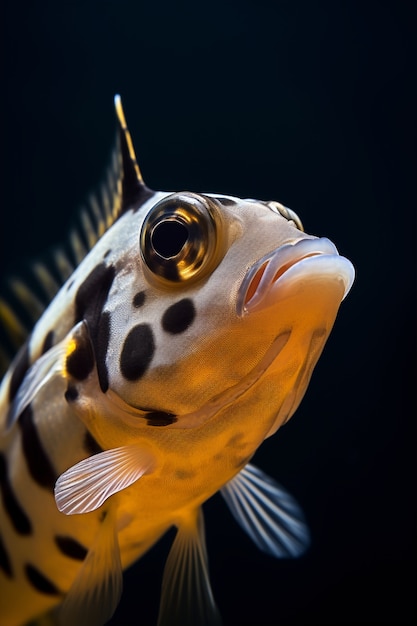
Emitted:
<point x="307" y="259"/>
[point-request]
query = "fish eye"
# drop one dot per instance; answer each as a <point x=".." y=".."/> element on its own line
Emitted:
<point x="289" y="214"/>
<point x="179" y="239"/>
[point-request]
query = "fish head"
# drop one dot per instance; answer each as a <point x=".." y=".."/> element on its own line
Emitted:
<point x="234" y="303"/>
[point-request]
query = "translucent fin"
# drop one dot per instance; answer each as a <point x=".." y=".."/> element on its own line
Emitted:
<point x="186" y="598"/>
<point x="86" y="485"/>
<point x="50" y="364"/>
<point x="78" y="249"/>
<point x="269" y="515"/>
<point x="27" y="297"/>
<point x="90" y="233"/>
<point x="63" y="265"/>
<point x="96" y="591"/>
<point x="45" y="278"/>
<point x="15" y="331"/>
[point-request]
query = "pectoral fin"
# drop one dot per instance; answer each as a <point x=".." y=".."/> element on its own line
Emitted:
<point x="37" y="376"/>
<point x="96" y="591"/>
<point x="186" y="598"/>
<point x="46" y="367"/>
<point x="269" y="515"/>
<point x="85" y="486"/>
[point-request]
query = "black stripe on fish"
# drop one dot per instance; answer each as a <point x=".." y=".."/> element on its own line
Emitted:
<point x="39" y="465"/>
<point x="92" y="293"/>
<point x="101" y="347"/>
<point x="18" y="517"/>
<point x="20" y="367"/>
<point x="90" y="444"/>
<point x="5" y="563"/>
<point x="48" y="342"/>
<point x="40" y="582"/>
<point x="89" y="303"/>
<point x="71" y="548"/>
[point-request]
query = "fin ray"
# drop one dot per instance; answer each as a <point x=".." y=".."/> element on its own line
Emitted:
<point x="84" y="487"/>
<point x="186" y="597"/>
<point x="267" y="513"/>
<point x="38" y="375"/>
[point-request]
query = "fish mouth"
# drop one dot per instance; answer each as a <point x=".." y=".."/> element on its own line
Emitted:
<point x="303" y="260"/>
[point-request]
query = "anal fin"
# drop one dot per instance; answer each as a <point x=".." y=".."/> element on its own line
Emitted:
<point x="96" y="591"/>
<point x="187" y="599"/>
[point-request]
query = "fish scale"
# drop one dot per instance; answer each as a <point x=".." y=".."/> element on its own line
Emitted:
<point x="184" y="337"/>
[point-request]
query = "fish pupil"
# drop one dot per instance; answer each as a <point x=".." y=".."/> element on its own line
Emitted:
<point x="168" y="238"/>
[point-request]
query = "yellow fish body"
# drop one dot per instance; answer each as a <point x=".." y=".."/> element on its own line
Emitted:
<point x="185" y="337"/>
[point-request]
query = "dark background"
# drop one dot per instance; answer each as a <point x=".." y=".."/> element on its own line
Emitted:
<point x="310" y="103"/>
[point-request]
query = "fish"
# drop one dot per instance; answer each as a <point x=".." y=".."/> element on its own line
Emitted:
<point x="181" y="331"/>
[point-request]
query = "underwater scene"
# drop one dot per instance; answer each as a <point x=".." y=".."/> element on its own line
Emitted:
<point x="213" y="422"/>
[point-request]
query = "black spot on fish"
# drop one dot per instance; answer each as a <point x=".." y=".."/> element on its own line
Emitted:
<point x="102" y="344"/>
<point x="80" y="362"/>
<point x="90" y="444"/>
<point x="71" y="394"/>
<point x="48" y="342"/>
<point x="89" y="303"/>
<point x="20" y="367"/>
<point x="106" y="254"/>
<point x="39" y="465"/>
<point x="39" y="581"/>
<point x="70" y="284"/>
<point x="178" y="317"/>
<point x="138" y="350"/>
<point x="18" y="517"/>
<point x="139" y="299"/>
<point x="5" y="563"/>
<point x="71" y="548"/>
<point x="160" y="418"/>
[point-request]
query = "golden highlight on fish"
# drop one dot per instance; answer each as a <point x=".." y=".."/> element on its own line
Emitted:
<point x="185" y="332"/>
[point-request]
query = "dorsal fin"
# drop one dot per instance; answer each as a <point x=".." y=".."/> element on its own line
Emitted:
<point x="134" y="191"/>
<point x="24" y="298"/>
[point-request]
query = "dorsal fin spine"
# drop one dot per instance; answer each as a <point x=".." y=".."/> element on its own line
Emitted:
<point x="63" y="265"/>
<point x="122" y="121"/>
<point x="45" y="278"/>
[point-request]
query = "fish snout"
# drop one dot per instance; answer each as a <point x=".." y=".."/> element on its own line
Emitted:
<point x="304" y="260"/>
